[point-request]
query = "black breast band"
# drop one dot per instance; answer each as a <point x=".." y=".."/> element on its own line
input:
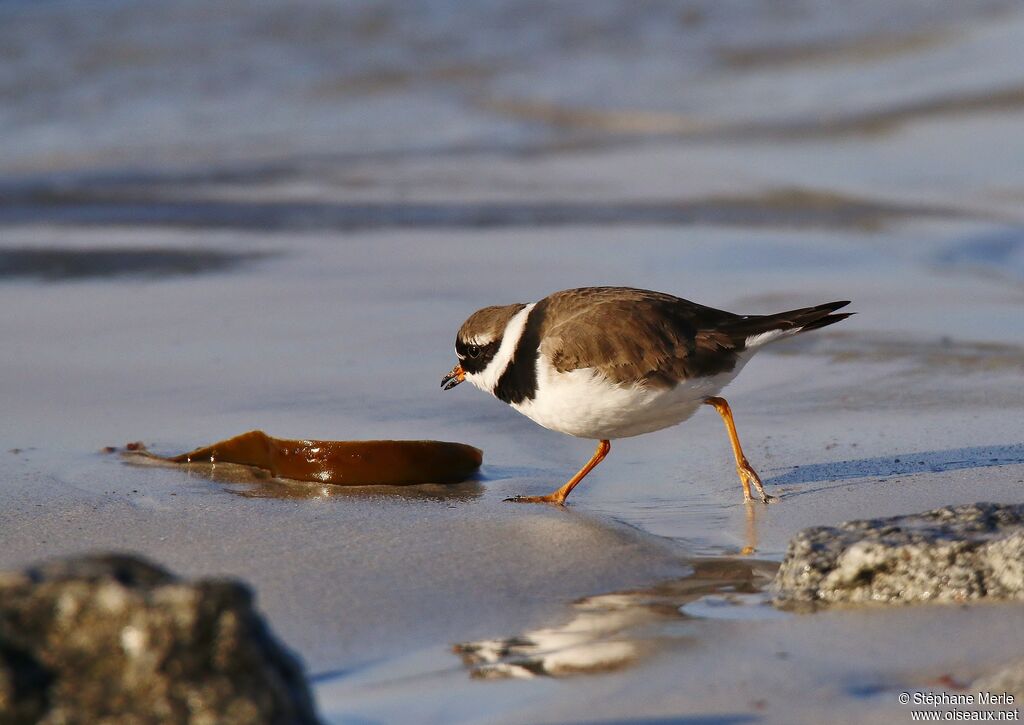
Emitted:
<point x="519" y="381"/>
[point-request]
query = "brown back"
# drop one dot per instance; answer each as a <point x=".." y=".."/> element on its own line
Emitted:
<point x="633" y="335"/>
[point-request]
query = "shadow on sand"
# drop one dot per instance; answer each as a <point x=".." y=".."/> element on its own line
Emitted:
<point x="904" y="464"/>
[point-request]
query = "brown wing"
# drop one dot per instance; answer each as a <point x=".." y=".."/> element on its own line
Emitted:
<point x="634" y="335"/>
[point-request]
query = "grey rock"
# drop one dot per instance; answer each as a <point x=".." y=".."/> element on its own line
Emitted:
<point x="1009" y="679"/>
<point x="951" y="554"/>
<point x="115" y="639"/>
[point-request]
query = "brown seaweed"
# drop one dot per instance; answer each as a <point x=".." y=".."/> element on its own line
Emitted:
<point x="344" y="463"/>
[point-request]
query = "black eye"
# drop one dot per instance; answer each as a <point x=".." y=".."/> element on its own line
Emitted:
<point x="473" y="351"/>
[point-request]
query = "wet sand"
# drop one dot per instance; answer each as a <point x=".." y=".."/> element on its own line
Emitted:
<point x="375" y="586"/>
<point x="312" y="286"/>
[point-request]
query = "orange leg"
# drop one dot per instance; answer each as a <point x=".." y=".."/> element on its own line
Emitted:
<point x="747" y="474"/>
<point x="558" y="496"/>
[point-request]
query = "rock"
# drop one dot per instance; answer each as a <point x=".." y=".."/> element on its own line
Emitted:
<point x="951" y="554"/>
<point x="115" y="639"/>
<point x="1010" y="679"/>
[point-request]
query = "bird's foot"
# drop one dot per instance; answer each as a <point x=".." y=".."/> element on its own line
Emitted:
<point x="748" y="477"/>
<point x="549" y="498"/>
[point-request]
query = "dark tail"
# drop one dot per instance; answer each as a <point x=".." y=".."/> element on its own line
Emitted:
<point x="802" y="320"/>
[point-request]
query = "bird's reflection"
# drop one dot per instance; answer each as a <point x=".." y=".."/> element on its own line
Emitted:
<point x="611" y="631"/>
<point x="750" y="530"/>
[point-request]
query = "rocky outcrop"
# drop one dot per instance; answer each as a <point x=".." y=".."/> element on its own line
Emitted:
<point x="1009" y="679"/>
<point x="951" y="554"/>
<point x="116" y="639"/>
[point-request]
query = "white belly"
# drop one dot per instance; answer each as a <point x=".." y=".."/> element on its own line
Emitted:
<point x="584" y="404"/>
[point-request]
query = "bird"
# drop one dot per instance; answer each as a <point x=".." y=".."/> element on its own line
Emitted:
<point x="604" y="363"/>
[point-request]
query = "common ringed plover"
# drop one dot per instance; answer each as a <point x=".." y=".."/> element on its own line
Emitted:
<point x="613" y="362"/>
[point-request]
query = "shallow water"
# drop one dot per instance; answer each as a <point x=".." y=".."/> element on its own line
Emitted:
<point x="233" y="218"/>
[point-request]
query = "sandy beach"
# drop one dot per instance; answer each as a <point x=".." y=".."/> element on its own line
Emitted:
<point x="306" y="276"/>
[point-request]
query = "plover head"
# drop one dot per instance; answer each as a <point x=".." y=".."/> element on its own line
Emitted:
<point x="485" y="344"/>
